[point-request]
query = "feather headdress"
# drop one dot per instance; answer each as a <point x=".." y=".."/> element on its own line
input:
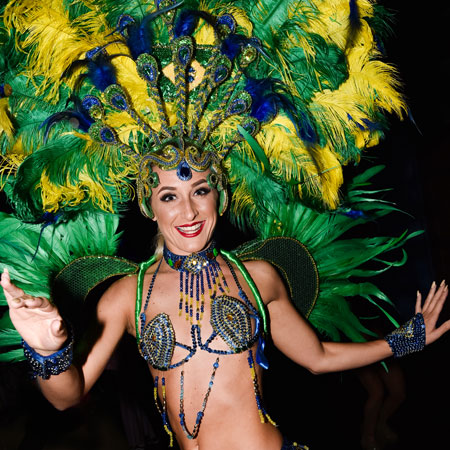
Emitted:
<point x="276" y="96"/>
<point x="290" y="90"/>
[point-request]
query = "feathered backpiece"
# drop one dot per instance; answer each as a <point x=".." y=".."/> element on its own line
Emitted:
<point x="96" y="92"/>
<point x="273" y="96"/>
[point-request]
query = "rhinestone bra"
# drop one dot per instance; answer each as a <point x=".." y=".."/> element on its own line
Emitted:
<point x="230" y="320"/>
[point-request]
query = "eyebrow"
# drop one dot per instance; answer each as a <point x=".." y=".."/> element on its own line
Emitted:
<point x="172" y="188"/>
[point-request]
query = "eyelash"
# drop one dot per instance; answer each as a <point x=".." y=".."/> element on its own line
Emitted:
<point x="167" y="197"/>
<point x="203" y="191"/>
<point x="200" y="192"/>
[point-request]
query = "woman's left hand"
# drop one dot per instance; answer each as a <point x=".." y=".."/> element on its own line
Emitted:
<point x="431" y="310"/>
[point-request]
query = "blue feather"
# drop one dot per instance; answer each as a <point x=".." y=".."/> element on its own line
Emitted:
<point x="138" y="35"/>
<point x="268" y="96"/>
<point x="78" y="114"/>
<point x="139" y="40"/>
<point x="101" y="72"/>
<point x="233" y="43"/>
<point x="354" y="16"/>
<point x="186" y="23"/>
<point x="366" y="124"/>
<point x="371" y="126"/>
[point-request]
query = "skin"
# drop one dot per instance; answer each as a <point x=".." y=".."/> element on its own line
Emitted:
<point x="231" y="420"/>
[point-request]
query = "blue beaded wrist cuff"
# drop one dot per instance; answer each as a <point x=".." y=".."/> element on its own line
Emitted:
<point x="54" y="364"/>
<point x="408" y="338"/>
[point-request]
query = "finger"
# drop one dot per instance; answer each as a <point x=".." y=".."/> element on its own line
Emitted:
<point x="438" y="332"/>
<point x="441" y="296"/>
<point x="438" y="297"/>
<point x="36" y="303"/>
<point x="418" y="302"/>
<point x="11" y="291"/>
<point x="58" y="328"/>
<point x="430" y="295"/>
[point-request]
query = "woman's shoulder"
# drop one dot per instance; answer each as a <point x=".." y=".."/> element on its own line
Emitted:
<point x="121" y="292"/>
<point x="259" y="267"/>
<point x="266" y="278"/>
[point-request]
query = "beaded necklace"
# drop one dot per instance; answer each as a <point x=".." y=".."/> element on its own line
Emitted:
<point x="193" y="269"/>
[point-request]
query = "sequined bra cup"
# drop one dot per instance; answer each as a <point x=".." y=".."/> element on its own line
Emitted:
<point x="231" y="320"/>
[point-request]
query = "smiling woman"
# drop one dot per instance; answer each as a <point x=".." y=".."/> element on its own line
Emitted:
<point x="193" y="108"/>
<point x="186" y="211"/>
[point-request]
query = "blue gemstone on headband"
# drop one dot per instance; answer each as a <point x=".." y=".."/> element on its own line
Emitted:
<point x="184" y="55"/>
<point x="119" y="102"/>
<point x="228" y="20"/>
<point x="184" y="172"/>
<point x="107" y="135"/>
<point x="90" y="101"/>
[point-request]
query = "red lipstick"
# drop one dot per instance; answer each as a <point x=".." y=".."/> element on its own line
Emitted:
<point x="191" y="229"/>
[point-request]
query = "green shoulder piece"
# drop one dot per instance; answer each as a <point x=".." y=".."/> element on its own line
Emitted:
<point x="294" y="263"/>
<point x="259" y="301"/>
<point x="140" y="283"/>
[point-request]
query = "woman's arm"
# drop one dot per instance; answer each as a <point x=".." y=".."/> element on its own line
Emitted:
<point x="40" y="325"/>
<point x="297" y="340"/>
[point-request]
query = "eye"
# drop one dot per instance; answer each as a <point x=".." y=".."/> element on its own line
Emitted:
<point x="167" y="197"/>
<point x="205" y="190"/>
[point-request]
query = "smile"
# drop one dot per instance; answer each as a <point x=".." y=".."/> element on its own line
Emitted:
<point x="192" y="229"/>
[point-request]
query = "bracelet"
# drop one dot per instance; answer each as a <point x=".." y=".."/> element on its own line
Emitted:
<point x="54" y="364"/>
<point x="408" y="338"/>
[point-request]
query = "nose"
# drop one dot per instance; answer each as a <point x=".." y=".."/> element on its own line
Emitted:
<point x="190" y="209"/>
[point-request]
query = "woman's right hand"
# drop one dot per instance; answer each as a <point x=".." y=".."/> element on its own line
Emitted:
<point x="35" y="318"/>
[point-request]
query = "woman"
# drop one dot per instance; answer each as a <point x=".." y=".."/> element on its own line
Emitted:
<point x="210" y="397"/>
<point x="194" y="102"/>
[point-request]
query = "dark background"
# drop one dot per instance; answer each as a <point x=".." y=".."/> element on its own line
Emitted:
<point x="325" y="412"/>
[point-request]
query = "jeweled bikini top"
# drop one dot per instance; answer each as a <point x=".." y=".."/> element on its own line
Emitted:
<point x="231" y="318"/>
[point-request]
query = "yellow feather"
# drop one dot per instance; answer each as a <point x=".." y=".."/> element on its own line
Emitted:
<point x="9" y="164"/>
<point x="317" y="168"/>
<point x="6" y="125"/>
<point x="334" y="24"/>
<point x="54" y="42"/>
<point x="70" y="195"/>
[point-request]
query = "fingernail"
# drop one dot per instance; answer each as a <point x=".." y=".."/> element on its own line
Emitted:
<point x="433" y="284"/>
<point x="442" y="283"/>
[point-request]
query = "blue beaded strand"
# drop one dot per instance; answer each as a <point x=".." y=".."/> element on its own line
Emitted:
<point x="201" y="413"/>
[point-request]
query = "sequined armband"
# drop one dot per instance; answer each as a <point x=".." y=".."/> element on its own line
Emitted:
<point x="54" y="364"/>
<point x="408" y="338"/>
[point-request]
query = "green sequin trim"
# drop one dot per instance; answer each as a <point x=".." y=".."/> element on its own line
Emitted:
<point x="259" y="302"/>
<point x="140" y="284"/>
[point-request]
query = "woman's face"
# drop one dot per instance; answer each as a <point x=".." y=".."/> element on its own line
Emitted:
<point x="186" y="211"/>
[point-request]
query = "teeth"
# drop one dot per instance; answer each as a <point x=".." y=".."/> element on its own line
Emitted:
<point x="190" y="229"/>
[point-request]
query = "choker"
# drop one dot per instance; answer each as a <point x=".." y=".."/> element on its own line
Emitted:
<point x="193" y="263"/>
<point x="198" y="271"/>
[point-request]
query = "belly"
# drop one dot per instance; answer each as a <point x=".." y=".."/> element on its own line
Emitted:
<point x="226" y="398"/>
